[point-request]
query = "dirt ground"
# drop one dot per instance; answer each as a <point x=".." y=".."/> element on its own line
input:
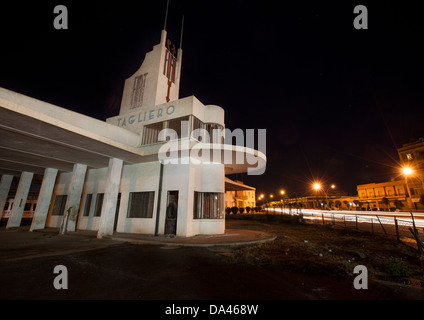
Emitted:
<point x="332" y="252"/>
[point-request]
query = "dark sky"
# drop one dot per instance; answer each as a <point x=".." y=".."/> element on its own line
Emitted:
<point x="336" y="102"/>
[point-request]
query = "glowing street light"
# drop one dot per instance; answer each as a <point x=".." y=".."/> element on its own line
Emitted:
<point x="317" y="187"/>
<point x="407" y="171"/>
<point x="282" y="192"/>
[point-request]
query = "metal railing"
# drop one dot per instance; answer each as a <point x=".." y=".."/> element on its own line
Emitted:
<point x="393" y="224"/>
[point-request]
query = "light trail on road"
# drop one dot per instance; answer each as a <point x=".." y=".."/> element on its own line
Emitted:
<point x="385" y="217"/>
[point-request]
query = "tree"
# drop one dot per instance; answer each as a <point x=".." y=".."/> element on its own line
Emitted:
<point x="234" y="210"/>
<point x="385" y="202"/>
<point x="422" y="199"/>
<point x="346" y="203"/>
<point x="398" y="204"/>
<point x="338" y="204"/>
<point x="247" y="209"/>
<point x="357" y="202"/>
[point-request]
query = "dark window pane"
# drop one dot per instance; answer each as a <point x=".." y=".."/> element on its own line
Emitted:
<point x="141" y="204"/>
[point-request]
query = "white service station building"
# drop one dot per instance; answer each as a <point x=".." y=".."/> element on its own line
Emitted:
<point x="156" y="168"/>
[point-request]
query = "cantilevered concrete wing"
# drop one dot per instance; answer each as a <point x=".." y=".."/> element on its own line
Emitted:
<point x="35" y="135"/>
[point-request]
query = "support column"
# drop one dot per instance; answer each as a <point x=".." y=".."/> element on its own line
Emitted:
<point x="44" y="199"/>
<point x="20" y="200"/>
<point x="5" y="182"/>
<point x="107" y="217"/>
<point x="74" y="197"/>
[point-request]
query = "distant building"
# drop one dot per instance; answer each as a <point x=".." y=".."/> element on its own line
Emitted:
<point x="320" y="201"/>
<point x="372" y="195"/>
<point x="238" y="194"/>
<point x="412" y="156"/>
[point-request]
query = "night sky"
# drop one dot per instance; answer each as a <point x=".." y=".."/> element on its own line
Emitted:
<point x="336" y="102"/>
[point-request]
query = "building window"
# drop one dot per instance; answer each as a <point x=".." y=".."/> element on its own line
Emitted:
<point x="208" y="205"/>
<point x="87" y="205"/>
<point x="180" y="126"/>
<point x="215" y="132"/>
<point x="198" y="128"/>
<point x="27" y="206"/>
<point x="138" y="91"/>
<point x="409" y="156"/>
<point x="99" y="204"/>
<point x="419" y="155"/>
<point x="59" y="205"/>
<point x="418" y="191"/>
<point x="141" y="205"/>
<point x="151" y="133"/>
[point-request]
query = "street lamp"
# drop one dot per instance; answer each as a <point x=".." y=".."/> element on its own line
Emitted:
<point x="408" y="171"/>
<point x="317" y="186"/>
<point x="282" y="192"/>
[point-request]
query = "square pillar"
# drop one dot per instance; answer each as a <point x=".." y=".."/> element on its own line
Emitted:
<point x="74" y="197"/>
<point x="5" y="182"/>
<point x="44" y="199"/>
<point x="107" y="217"/>
<point x="20" y="200"/>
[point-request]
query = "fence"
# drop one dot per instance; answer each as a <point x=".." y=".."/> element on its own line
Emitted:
<point x="398" y="225"/>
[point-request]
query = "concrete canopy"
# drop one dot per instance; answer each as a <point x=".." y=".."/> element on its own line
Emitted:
<point x="35" y="135"/>
<point x="231" y="185"/>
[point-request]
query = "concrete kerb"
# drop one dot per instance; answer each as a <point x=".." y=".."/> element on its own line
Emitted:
<point x="21" y="244"/>
<point x="182" y="244"/>
<point x="241" y="238"/>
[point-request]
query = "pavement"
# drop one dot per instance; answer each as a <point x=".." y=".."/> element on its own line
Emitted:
<point x="19" y="243"/>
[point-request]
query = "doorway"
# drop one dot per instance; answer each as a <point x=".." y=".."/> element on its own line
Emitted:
<point x="171" y="213"/>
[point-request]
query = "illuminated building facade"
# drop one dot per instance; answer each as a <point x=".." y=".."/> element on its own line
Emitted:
<point x="156" y="168"/>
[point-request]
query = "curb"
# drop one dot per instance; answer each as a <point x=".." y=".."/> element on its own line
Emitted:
<point x="185" y="244"/>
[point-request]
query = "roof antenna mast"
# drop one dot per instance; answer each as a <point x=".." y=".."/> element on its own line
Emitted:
<point x="181" y="37"/>
<point x="166" y="14"/>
